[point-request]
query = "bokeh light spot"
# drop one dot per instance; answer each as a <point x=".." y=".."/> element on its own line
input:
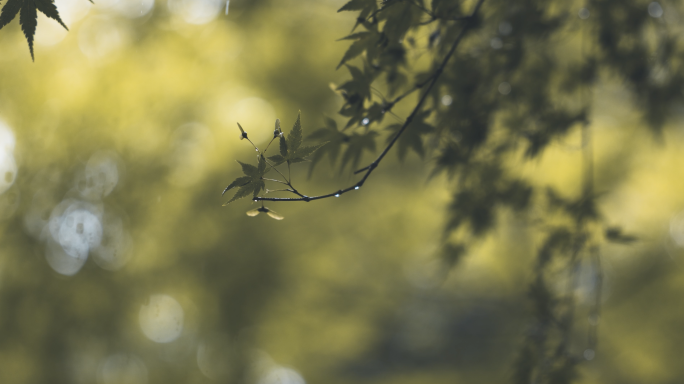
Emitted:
<point x="195" y="11"/>
<point x="447" y="100"/>
<point x="655" y="10"/>
<point x="583" y="13"/>
<point x="100" y="177"/>
<point x="98" y="37"/>
<point x="8" y="166"/>
<point x="79" y="231"/>
<point x="49" y="32"/>
<point x="74" y="228"/>
<point x="281" y="375"/>
<point x="256" y="115"/>
<point x="114" y="250"/>
<point x="161" y="320"/>
<point x="62" y="262"/>
<point x="134" y="8"/>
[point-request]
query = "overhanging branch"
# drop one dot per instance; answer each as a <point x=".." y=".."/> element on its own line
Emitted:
<point x="372" y="166"/>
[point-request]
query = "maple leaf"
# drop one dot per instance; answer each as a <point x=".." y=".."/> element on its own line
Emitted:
<point x="252" y="183"/>
<point x="291" y="150"/>
<point x="28" y="16"/>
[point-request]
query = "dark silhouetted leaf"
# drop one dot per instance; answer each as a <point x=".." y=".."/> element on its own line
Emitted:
<point x="240" y="181"/>
<point x="356" y="5"/>
<point x="294" y="138"/>
<point x="358" y="143"/>
<point x="333" y="137"/>
<point x="252" y="182"/>
<point x="363" y="41"/>
<point x="249" y="169"/>
<point x="412" y="137"/>
<point x="283" y="147"/>
<point x="308" y="150"/>
<point x="277" y="159"/>
<point x="243" y="191"/>
<point x="28" y="15"/>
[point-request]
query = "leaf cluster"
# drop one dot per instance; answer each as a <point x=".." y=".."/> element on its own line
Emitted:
<point x="250" y="184"/>
<point x="291" y="152"/>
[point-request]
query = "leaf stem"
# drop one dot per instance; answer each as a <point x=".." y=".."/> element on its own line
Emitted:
<point x="289" y="175"/>
<point x="269" y="144"/>
<point x="275" y="180"/>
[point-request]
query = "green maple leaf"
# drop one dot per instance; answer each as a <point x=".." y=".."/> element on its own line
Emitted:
<point x="252" y="183"/>
<point x="28" y="16"/>
<point x="291" y="150"/>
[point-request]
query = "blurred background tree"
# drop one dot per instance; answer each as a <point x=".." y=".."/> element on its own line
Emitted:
<point x="549" y="142"/>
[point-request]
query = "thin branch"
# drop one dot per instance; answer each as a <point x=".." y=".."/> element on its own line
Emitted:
<point x="371" y="167"/>
<point x="278" y="190"/>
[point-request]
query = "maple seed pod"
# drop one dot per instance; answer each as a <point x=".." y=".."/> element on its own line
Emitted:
<point x="277" y="131"/>
<point x="243" y="134"/>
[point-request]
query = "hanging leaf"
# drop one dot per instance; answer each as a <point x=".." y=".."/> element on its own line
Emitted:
<point x="290" y="150"/>
<point x="294" y="138"/>
<point x="252" y="183"/>
<point x="28" y="15"/>
<point x="412" y="137"/>
<point x="331" y="135"/>
<point x="358" y="143"/>
<point x="240" y="181"/>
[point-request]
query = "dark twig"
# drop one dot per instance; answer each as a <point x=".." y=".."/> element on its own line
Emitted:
<point x="371" y="167"/>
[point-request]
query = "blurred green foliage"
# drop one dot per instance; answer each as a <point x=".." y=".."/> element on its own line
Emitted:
<point x="513" y="252"/>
